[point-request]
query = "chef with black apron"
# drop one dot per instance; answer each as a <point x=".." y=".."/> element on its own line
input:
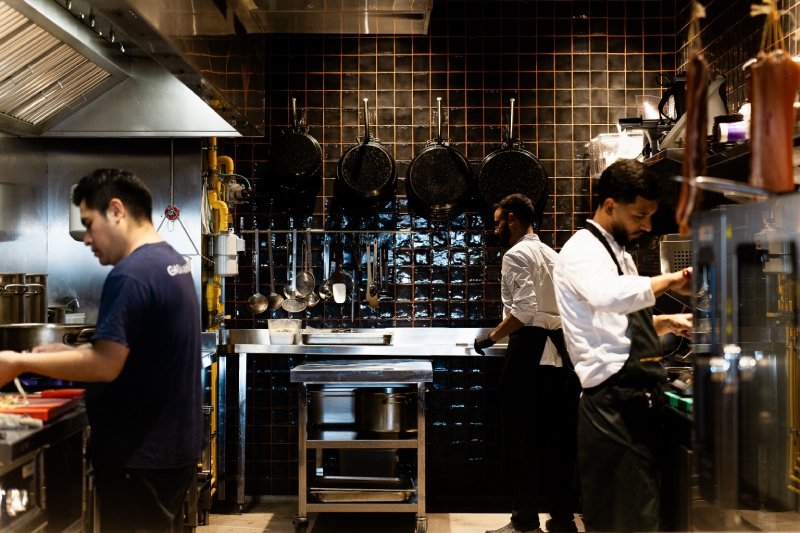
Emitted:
<point x="538" y="396"/>
<point x="613" y="341"/>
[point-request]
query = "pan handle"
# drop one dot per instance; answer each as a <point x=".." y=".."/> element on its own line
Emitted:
<point x="39" y="288"/>
<point x="294" y="113"/>
<point x="366" y="121"/>
<point x="19" y="288"/>
<point x="511" y="122"/>
<point x="439" y="119"/>
<point x="81" y="336"/>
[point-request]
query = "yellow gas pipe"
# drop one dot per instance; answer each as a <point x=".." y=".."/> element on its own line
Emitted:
<point x="221" y="220"/>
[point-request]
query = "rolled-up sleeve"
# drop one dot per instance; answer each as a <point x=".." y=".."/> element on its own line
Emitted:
<point x="520" y="286"/>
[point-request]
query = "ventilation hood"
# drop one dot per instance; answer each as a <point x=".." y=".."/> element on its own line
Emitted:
<point x="364" y="17"/>
<point x="49" y="68"/>
<point x="67" y="70"/>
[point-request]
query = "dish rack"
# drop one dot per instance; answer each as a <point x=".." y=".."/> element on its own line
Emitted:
<point x="336" y="494"/>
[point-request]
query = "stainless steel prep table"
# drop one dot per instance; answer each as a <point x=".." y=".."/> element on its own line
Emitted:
<point x="359" y="373"/>
<point x="407" y="343"/>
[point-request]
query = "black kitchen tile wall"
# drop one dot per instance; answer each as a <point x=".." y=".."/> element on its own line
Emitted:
<point x="730" y="36"/>
<point x="574" y="68"/>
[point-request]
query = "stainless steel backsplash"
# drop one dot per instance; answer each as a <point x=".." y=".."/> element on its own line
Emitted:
<point x="35" y="180"/>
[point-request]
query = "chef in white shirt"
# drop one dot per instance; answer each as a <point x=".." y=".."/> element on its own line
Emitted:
<point x="613" y="341"/>
<point x="538" y="396"/>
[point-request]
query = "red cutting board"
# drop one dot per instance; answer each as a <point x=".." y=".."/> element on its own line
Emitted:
<point x="44" y="408"/>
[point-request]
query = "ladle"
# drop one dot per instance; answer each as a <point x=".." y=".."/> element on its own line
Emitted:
<point x="257" y="303"/>
<point x="275" y="300"/>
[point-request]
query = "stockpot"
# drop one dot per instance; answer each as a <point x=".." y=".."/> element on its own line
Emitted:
<point x="24" y="337"/>
<point x="12" y="298"/>
<point x="35" y="298"/>
<point x="386" y="409"/>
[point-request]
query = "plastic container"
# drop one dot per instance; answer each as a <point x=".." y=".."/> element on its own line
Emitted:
<point x="284" y="330"/>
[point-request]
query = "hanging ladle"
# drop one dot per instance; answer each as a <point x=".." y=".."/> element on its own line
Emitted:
<point x="257" y="303"/>
<point x="275" y="300"/>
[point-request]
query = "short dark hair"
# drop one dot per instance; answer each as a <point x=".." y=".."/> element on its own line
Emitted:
<point x="624" y="180"/>
<point x="520" y="205"/>
<point x="103" y="184"/>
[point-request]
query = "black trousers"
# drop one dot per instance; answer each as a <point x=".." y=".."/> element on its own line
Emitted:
<point x="539" y="410"/>
<point x="142" y="500"/>
<point x="620" y="454"/>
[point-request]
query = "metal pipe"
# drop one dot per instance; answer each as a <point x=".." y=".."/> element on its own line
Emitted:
<point x="172" y="171"/>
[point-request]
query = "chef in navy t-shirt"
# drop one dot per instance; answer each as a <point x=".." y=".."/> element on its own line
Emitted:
<point x="143" y="394"/>
<point x="140" y="419"/>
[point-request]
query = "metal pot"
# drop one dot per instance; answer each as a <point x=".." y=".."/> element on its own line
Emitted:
<point x="386" y="409"/>
<point x="35" y="298"/>
<point x="12" y="298"/>
<point x="333" y="407"/>
<point x="24" y="337"/>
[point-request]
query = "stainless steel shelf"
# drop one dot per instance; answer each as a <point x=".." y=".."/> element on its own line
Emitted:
<point x="332" y="438"/>
<point x="411" y="506"/>
<point x="361" y="507"/>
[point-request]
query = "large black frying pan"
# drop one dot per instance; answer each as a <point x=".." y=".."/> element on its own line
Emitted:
<point x="295" y="161"/>
<point x="439" y="181"/>
<point x="512" y="169"/>
<point x="366" y="176"/>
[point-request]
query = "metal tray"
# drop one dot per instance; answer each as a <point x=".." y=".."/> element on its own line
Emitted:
<point x="350" y="339"/>
<point x="339" y="489"/>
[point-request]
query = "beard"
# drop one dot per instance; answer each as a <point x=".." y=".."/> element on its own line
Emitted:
<point x="505" y="237"/>
<point x="620" y="234"/>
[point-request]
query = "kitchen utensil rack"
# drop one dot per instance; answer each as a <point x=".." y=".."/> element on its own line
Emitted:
<point x="334" y="231"/>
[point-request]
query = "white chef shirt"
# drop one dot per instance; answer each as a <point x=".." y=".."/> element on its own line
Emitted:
<point x="527" y="289"/>
<point x="594" y="301"/>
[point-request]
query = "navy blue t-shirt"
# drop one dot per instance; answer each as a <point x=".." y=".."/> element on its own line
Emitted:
<point x="151" y="415"/>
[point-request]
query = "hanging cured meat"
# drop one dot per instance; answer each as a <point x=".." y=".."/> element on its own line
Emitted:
<point x="775" y="80"/>
<point x="694" y="155"/>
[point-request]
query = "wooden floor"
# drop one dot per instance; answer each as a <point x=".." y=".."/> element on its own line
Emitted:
<point x="275" y="516"/>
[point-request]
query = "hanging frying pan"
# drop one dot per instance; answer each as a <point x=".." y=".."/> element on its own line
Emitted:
<point x="512" y="169"/>
<point x="295" y="156"/>
<point x="439" y="179"/>
<point x="366" y="176"/>
<point x="295" y="164"/>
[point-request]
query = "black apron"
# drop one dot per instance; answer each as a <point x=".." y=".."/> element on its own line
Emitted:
<point x="522" y="399"/>
<point x="620" y="433"/>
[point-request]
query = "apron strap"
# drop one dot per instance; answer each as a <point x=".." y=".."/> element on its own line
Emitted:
<point x="600" y="237"/>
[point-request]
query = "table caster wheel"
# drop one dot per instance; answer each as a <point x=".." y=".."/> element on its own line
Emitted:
<point x="300" y="525"/>
<point x="422" y="525"/>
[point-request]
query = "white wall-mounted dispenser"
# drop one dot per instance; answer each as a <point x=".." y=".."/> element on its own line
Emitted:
<point x="76" y="228"/>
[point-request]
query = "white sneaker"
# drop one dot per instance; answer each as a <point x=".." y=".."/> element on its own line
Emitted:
<point x="509" y="528"/>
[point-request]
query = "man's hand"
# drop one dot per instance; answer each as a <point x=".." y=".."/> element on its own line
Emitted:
<point x="483" y="342"/>
<point x="8" y="367"/>
<point x="683" y="282"/>
<point x="52" y="348"/>
<point x="677" y="324"/>
<point x="680" y="282"/>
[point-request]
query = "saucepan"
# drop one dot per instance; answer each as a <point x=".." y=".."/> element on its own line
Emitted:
<point x="25" y="337"/>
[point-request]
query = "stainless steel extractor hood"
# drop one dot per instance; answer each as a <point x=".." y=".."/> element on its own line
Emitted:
<point x="364" y="17"/>
<point x="50" y="66"/>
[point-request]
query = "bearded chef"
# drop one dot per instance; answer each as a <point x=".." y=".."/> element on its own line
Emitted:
<point x="538" y="395"/>
<point x="613" y="341"/>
